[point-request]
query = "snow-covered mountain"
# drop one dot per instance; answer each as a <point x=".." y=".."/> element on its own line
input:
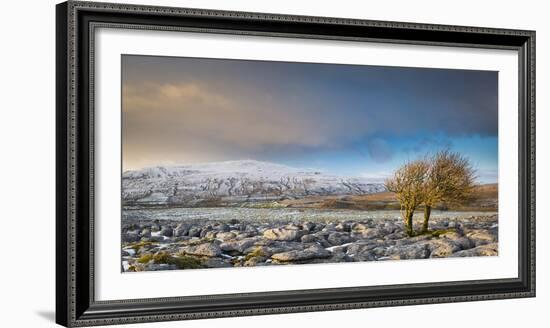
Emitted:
<point x="233" y="181"/>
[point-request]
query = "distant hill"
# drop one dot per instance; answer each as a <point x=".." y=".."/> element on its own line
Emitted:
<point x="233" y="183"/>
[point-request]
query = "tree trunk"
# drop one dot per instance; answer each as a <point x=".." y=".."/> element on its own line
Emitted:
<point x="409" y="223"/>
<point x="427" y="212"/>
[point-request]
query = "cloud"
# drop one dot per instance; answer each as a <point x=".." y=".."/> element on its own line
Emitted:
<point x="195" y="121"/>
<point x="428" y="144"/>
<point x="379" y="150"/>
<point x="181" y="110"/>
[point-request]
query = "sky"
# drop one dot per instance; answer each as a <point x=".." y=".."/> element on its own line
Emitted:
<point x="348" y="120"/>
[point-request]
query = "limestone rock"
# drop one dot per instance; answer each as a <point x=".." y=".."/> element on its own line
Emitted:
<point x="283" y="234"/>
<point x="313" y="252"/>
<point x="205" y="249"/>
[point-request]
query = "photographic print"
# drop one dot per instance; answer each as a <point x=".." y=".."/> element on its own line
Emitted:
<point x="240" y="163"/>
<point x="287" y="164"/>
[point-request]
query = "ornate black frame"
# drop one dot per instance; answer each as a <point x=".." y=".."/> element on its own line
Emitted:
<point x="76" y="23"/>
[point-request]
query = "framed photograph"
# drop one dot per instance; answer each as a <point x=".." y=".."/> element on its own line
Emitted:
<point x="214" y="163"/>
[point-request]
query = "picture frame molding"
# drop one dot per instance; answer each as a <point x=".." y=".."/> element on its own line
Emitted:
<point x="75" y="30"/>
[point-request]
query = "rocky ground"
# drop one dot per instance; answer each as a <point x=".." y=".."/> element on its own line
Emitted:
<point x="172" y="244"/>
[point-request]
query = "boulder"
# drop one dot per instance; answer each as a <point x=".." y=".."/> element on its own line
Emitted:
<point x="243" y="235"/>
<point x="371" y="233"/>
<point x="215" y="262"/>
<point x="205" y="249"/>
<point x="464" y="243"/>
<point x="255" y="261"/>
<point x="130" y="237"/>
<point x="395" y="235"/>
<point x="209" y="234"/>
<point x="451" y="235"/>
<point x="343" y="226"/>
<point x="182" y="229"/>
<point x="251" y="229"/>
<point x="130" y="227"/>
<point x="441" y="247"/>
<point x="194" y="231"/>
<point x="313" y="252"/>
<point x="363" y="256"/>
<point x="205" y="230"/>
<point x="481" y="237"/>
<point x="293" y="226"/>
<point x="360" y="247"/>
<point x="318" y="237"/>
<point x="458" y="239"/>
<point x="285" y="246"/>
<point x="309" y="226"/>
<point x="167" y="231"/>
<point x="156" y="239"/>
<point x="160" y="267"/>
<point x="238" y="246"/>
<point x="283" y="234"/>
<point x="359" y="227"/>
<point x="339" y="238"/>
<point x="317" y="227"/>
<point x="483" y="250"/>
<point x="329" y="227"/>
<point x="389" y="228"/>
<point x="258" y="251"/>
<point x="338" y="249"/>
<point x="413" y="251"/>
<point x="379" y="251"/>
<point x="340" y="257"/>
<point x="222" y="227"/>
<point x="309" y="238"/>
<point x="225" y="235"/>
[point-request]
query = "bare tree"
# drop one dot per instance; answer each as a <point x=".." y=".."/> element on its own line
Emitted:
<point x="450" y="179"/>
<point x="408" y="183"/>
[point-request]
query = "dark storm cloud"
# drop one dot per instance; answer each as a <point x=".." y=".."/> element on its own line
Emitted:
<point x="428" y="143"/>
<point x="379" y="150"/>
<point x="188" y="109"/>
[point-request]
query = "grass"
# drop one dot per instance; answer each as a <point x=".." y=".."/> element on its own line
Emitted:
<point x="145" y="258"/>
<point x="264" y="204"/>
<point x="186" y="262"/>
<point x="141" y="244"/>
<point x="258" y="252"/>
<point x="484" y="198"/>
<point x="161" y="258"/>
<point x="181" y="262"/>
